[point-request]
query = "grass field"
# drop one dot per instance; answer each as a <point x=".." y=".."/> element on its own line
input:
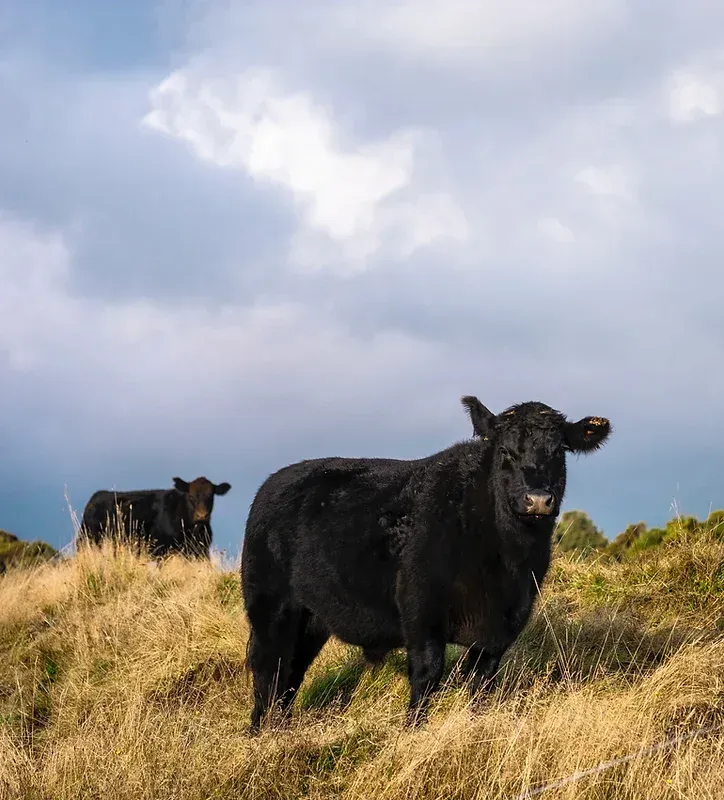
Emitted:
<point x="123" y="679"/>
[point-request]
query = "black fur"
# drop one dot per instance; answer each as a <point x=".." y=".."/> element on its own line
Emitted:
<point x="385" y="553"/>
<point x="168" y="521"/>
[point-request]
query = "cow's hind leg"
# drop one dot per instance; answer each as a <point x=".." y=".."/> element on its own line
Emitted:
<point x="271" y="649"/>
<point x="311" y="638"/>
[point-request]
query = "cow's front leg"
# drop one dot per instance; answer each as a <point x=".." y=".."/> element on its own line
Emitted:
<point x="478" y="670"/>
<point x="422" y="613"/>
<point x="425" y="662"/>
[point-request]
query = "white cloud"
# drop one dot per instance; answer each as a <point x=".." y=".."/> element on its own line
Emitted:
<point x="142" y="369"/>
<point x="554" y="229"/>
<point x="612" y="181"/>
<point x="358" y="198"/>
<point x="33" y="269"/>
<point x="696" y="92"/>
<point x="483" y="30"/>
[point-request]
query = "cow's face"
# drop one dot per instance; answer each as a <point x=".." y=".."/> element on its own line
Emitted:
<point x="199" y="496"/>
<point x="530" y="443"/>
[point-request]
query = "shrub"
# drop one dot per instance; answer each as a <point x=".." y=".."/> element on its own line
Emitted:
<point x="16" y="553"/>
<point x="576" y="531"/>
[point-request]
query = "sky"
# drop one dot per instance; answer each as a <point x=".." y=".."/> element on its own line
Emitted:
<point x="234" y="235"/>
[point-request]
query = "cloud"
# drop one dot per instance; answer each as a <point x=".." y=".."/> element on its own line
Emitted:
<point x="611" y="180"/>
<point x="554" y="229"/>
<point x="491" y="32"/>
<point x="215" y="266"/>
<point x="147" y="371"/>
<point x="33" y="265"/>
<point x="360" y="198"/>
<point x="696" y="92"/>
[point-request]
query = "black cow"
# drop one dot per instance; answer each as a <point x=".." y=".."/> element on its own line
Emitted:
<point x="168" y="521"/>
<point x="385" y="553"/>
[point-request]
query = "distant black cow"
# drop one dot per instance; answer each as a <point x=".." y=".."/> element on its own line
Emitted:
<point x="385" y="553"/>
<point x="168" y="521"/>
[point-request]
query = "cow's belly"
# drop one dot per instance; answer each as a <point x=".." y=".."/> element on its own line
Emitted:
<point x="469" y="628"/>
<point x="491" y="625"/>
<point x="357" y="610"/>
<point x="364" y="627"/>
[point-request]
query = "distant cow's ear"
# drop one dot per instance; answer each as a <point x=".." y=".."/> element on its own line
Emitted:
<point x="481" y="417"/>
<point x="587" y="434"/>
<point x="180" y="485"/>
<point x="222" y="488"/>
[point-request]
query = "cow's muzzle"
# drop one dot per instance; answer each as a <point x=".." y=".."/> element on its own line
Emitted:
<point x="538" y="504"/>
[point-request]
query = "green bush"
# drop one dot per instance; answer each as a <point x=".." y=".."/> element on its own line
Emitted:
<point x="576" y="531"/>
<point x="649" y="537"/>
<point x="625" y="541"/>
<point x="16" y="553"/>
<point x="715" y="523"/>
<point x="637" y="537"/>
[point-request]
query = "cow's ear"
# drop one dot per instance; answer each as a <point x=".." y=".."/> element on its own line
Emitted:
<point x="481" y="417"/>
<point x="222" y="488"/>
<point x="180" y="485"/>
<point x="587" y="434"/>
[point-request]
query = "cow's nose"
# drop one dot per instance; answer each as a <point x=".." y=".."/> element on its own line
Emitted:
<point x="538" y="503"/>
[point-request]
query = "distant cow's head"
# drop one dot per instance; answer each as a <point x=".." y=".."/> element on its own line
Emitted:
<point x="530" y="442"/>
<point x="199" y="496"/>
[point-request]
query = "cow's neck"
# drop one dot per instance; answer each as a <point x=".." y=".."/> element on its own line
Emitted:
<point x="488" y="523"/>
<point x="524" y="547"/>
<point x="182" y="509"/>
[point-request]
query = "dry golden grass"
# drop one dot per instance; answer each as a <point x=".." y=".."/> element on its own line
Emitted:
<point x="121" y="679"/>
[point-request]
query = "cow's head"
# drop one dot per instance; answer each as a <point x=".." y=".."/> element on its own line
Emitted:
<point x="199" y="496"/>
<point x="530" y="442"/>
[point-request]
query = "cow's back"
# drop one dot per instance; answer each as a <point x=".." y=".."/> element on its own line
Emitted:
<point x="310" y="494"/>
<point x="322" y="533"/>
<point x="139" y="514"/>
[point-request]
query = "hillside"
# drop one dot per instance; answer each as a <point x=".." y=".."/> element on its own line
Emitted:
<point x="15" y="552"/>
<point x="120" y="679"/>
